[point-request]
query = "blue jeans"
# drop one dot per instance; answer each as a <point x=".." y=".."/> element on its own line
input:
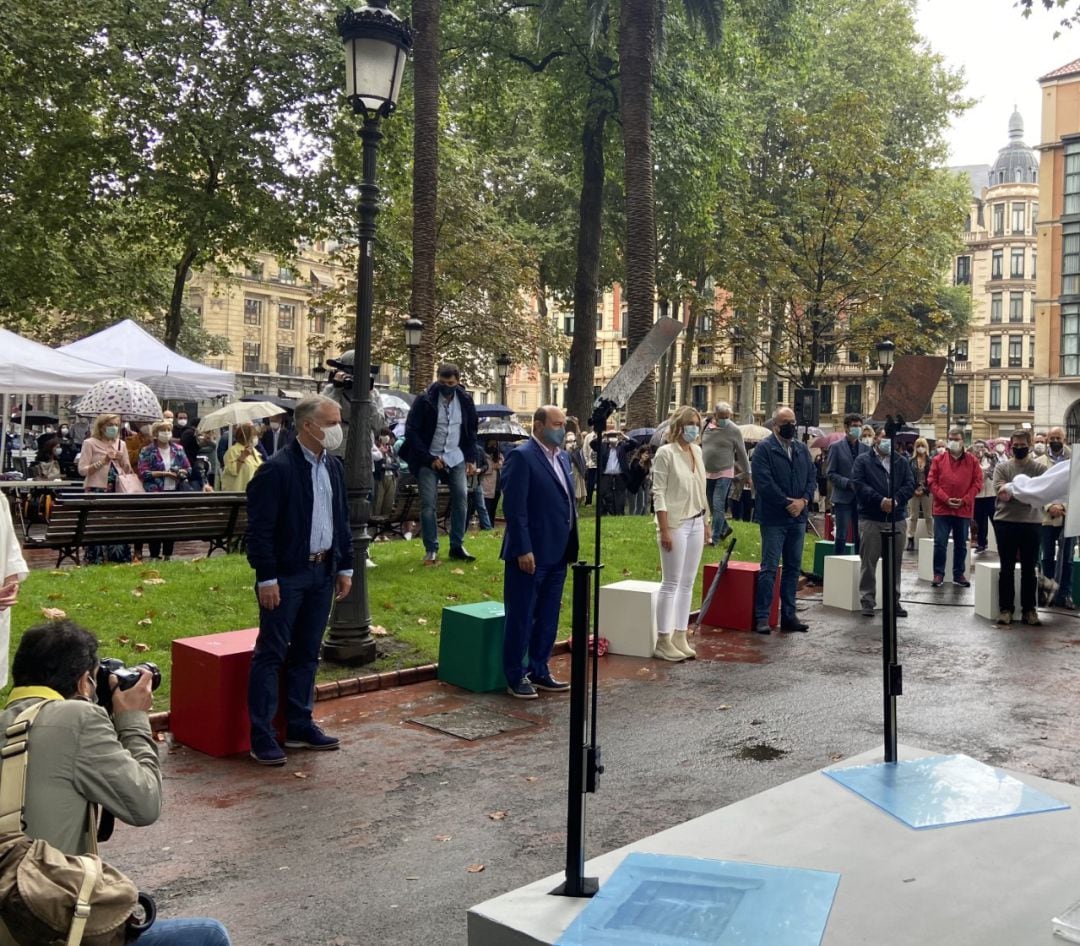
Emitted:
<point x="481" y="507"/>
<point x="720" y="490"/>
<point x="843" y="514"/>
<point x="1057" y="551"/>
<point x="428" y="481"/>
<point x="193" y="931"/>
<point x="289" y="636"/>
<point x="957" y="527"/>
<point x="532" y="605"/>
<point x="779" y="544"/>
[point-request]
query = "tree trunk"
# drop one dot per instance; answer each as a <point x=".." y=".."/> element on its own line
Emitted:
<point x="582" y="370"/>
<point x="544" y="357"/>
<point x="663" y="374"/>
<point x="690" y="335"/>
<point x="425" y="183"/>
<point x="637" y="40"/>
<point x="174" y="320"/>
<point x="776" y="340"/>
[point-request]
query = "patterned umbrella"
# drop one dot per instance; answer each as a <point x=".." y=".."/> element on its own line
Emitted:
<point x="132" y="400"/>
<point x="394" y="407"/>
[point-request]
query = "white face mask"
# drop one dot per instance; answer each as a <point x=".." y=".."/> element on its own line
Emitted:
<point x="1040" y="449"/>
<point x="868" y="440"/>
<point x="999" y="449"/>
<point x="955" y="447"/>
<point x="164" y="436"/>
<point x="332" y="437"/>
<point x="920" y="450"/>
<point x="181" y="422"/>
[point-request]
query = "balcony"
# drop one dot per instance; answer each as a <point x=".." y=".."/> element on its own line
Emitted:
<point x="290" y="371"/>
<point x="256" y="367"/>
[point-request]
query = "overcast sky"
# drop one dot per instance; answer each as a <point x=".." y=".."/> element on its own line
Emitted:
<point x="1002" y="55"/>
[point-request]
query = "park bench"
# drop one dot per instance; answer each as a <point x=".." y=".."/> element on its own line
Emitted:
<point x="84" y="519"/>
<point x="407" y="509"/>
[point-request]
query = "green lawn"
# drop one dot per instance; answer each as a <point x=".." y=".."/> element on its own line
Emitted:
<point x="137" y="610"/>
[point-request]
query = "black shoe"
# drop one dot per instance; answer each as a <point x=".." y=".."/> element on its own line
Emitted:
<point x="1068" y="604"/>
<point x="868" y="611"/>
<point x="761" y="628"/>
<point x="549" y="683"/>
<point x="523" y="690"/>
<point x="794" y="626"/>
<point x="312" y="738"/>
<point x="901" y="612"/>
<point x="269" y="753"/>
<point x="962" y="582"/>
<point x="911" y="545"/>
<point x="461" y="555"/>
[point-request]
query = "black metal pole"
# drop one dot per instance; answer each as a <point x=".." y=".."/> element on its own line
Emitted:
<point x="414" y="351"/>
<point x="349" y="640"/>
<point x="891" y="670"/>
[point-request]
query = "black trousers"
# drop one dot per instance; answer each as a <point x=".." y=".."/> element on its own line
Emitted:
<point x="612" y="493"/>
<point x="1017" y="541"/>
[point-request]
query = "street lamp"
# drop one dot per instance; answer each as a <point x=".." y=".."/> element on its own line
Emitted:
<point x="377" y="44"/>
<point x="950" y="371"/>
<point x="414" y="329"/>
<point x="502" y="366"/>
<point x="318" y="373"/>
<point x="885" y="351"/>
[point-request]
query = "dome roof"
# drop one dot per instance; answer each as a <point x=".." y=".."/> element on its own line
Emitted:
<point x="1016" y="162"/>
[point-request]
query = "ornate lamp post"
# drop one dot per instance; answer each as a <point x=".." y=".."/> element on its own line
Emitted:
<point x="502" y="366"/>
<point x="414" y="329"/>
<point x="885" y="351"/>
<point x="377" y="44"/>
<point x="318" y="374"/>
<point x="891" y="671"/>
<point x="950" y="373"/>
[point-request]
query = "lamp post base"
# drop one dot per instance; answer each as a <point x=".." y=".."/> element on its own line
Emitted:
<point x="350" y="653"/>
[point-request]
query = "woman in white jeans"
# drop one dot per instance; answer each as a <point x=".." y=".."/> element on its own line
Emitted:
<point x="678" y="490"/>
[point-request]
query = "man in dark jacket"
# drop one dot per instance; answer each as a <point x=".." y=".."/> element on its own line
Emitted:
<point x="784" y="479"/>
<point x="440" y="444"/>
<point x="882" y="506"/>
<point x="845" y="504"/>
<point x="612" y="469"/>
<point x="300" y="545"/>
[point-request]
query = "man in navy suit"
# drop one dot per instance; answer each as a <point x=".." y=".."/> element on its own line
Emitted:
<point x="540" y="540"/>
<point x="845" y="501"/>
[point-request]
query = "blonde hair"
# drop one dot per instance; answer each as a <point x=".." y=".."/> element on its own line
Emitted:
<point x="921" y="442"/>
<point x="245" y="433"/>
<point x="679" y="420"/>
<point x="160" y="425"/>
<point x="97" y="429"/>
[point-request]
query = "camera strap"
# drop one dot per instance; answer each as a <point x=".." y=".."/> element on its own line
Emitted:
<point x="14" y="758"/>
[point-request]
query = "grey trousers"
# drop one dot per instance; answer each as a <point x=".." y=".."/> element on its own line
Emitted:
<point x="871" y="541"/>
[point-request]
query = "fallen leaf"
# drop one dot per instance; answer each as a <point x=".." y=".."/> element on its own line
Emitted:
<point x="57" y="571"/>
<point x="626" y="572"/>
<point x="153" y="581"/>
<point x="123" y="639"/>
<point x="497" y="815"/>
<point x="145" y="622"/>
<point x="443" y="837"/>
<point x="378" y="630"/>
<point x="475" y="868"/>
<point x="451" y="597"/>
<point x="457" y="571"/>
<point x="55" y="596"/>
<point x="421" y="620"/>
<point x="151" y="573"/>
<point x="141" y="648"/>
<point x="137" y="592"/>
<point x="412" y="878"/>
<point x="532" y="778"/>
<point x="53" y="614"/>
<point x="300" y="774"/>
<point x="723" y="706"/>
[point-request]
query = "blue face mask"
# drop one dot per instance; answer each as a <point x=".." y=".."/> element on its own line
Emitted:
<point x="884" y="447"/>
<point x="854" y="432"/>
<point x="690" y="433"/>
<point x="554" y="435"/>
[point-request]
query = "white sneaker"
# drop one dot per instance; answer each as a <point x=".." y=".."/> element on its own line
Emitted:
<point x="407" y="536"/>
<point x="371" y="564"/>
<point x="666" y="650"/>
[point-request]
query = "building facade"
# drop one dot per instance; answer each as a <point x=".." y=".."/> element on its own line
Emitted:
<point x="1057" y="305"/>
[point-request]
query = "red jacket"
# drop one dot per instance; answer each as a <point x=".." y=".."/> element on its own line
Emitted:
<point x="955" y="478"/>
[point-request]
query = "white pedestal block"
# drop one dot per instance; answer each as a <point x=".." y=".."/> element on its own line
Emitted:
<point x="923" y="530"/>
<point x="841" y="589"/>
<point x="628" y="617"/>
<point x="986" y="588"/>
<point x="991" y="537"/>
<point x="926" y="560"/>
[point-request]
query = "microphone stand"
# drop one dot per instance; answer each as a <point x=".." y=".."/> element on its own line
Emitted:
<point x="892" y="672"/>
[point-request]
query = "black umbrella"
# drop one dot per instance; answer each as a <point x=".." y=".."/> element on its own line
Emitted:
<point x="499" y="429"/>
<point x="288" y="404"/>
<point x="494" y="410"/>
<point x="641" y="434"/>
<point x="30" y="418"/>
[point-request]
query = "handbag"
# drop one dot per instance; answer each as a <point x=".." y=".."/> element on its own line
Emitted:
<point x="48" y="897"/>
<point x="129" y="483"/>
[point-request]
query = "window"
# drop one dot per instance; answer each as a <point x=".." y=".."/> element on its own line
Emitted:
<point x="253" y="311"/>
<point x="999" y="219"/>
<point x="995" y="264"/>
<point x="779" y="393"/>
<point x="600" y="321"/>
<point x="995" y="307"/>
<point x="1031" y="396"/>
<point x="1070" y="339"/>
<point x="285" y="360"/>
<point x="286" y="315"/>
<point x="1016" y="262"/>
<point x="1034" y="260"/>
<point x="1014" y="395"/>
<point x="1072" y="178"/>
<point x="960" y="398"/>
<point x="286" y="275"/>
<point x="622" y="355"/>
<point x="568" y="324"/>
<point x="521" y="399"/>
<point x="738" y="353"/>
<point x="318" y="323"/>
<point x="254" y="271"/>
<point x="960" y="351"/>
<point x="1031" y="351"/>
<point x="1016" y="307"/>
<point x="252" y="351"/>
<point x="705" y="355"/>
<point x="597" y="358"/>
<point x="853" y="357"/>
<point x="963" y="270"/>
<point x="1016" y="351"/>
<point x="706" y="323"/>
<point x="1018" y="216"/>
<point x="700" y="397"/>
<point x="995" y="351"/>
<point x="1034" y="216"/>
<point x="995" y="395"/>
<point x="853" y="399"/>
<point x="1070" y="259"/>
<point x="825" y="404"/>
<point x="738" y="398"/>
<point x="595" y="391"/>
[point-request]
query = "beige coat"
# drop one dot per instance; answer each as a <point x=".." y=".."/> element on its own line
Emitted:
<point x="13" y="566"/>
<point x="94" y="457"/>
<point x="76" y="757"/>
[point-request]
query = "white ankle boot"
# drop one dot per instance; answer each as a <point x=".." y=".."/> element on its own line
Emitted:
<point x="679" y="641"/>
<point x="666" y="650"/>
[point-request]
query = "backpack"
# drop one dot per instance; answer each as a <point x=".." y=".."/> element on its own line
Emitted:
<point x="48" y="898"/>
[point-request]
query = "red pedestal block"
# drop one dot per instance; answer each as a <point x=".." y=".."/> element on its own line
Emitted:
<point x="208" y="708"/>
<point x="733" y="604"/>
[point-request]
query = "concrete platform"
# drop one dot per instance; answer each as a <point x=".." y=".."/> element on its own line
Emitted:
<point x="992" y="883"/>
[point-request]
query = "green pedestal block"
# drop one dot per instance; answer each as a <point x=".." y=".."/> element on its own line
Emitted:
<point x="471" y="646"/>
<point x="1075" y="576"/>
<point x="823" y="547"/>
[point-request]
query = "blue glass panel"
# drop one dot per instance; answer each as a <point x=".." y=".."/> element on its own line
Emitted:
<point x="660" y="900"/>
<point x="943" y="790"/>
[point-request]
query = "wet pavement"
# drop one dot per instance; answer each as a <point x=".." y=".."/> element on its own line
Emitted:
<point x="381" y="843"/>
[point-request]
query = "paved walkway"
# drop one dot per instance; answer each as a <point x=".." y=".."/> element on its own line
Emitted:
<point x="379" y="843"/>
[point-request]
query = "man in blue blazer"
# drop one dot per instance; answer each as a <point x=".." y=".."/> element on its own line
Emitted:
<point x="540" y="540"/>
<point x="300" y="545"/>
<point x="784" y="481"/>
<point x="845" y="504"/>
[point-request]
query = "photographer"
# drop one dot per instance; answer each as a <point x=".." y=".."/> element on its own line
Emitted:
<point x="80" y="756"/>
<point x="339" y="390"/>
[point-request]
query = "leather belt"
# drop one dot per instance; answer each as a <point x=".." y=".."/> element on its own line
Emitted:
<point x="319" y="557"/>
<point x="699" y="515"/>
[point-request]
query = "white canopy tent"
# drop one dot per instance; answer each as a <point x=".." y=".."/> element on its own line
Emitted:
<point x="132" y="352"/>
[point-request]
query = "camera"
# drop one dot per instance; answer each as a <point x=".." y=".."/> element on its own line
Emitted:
<point x="126" y="678"/>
